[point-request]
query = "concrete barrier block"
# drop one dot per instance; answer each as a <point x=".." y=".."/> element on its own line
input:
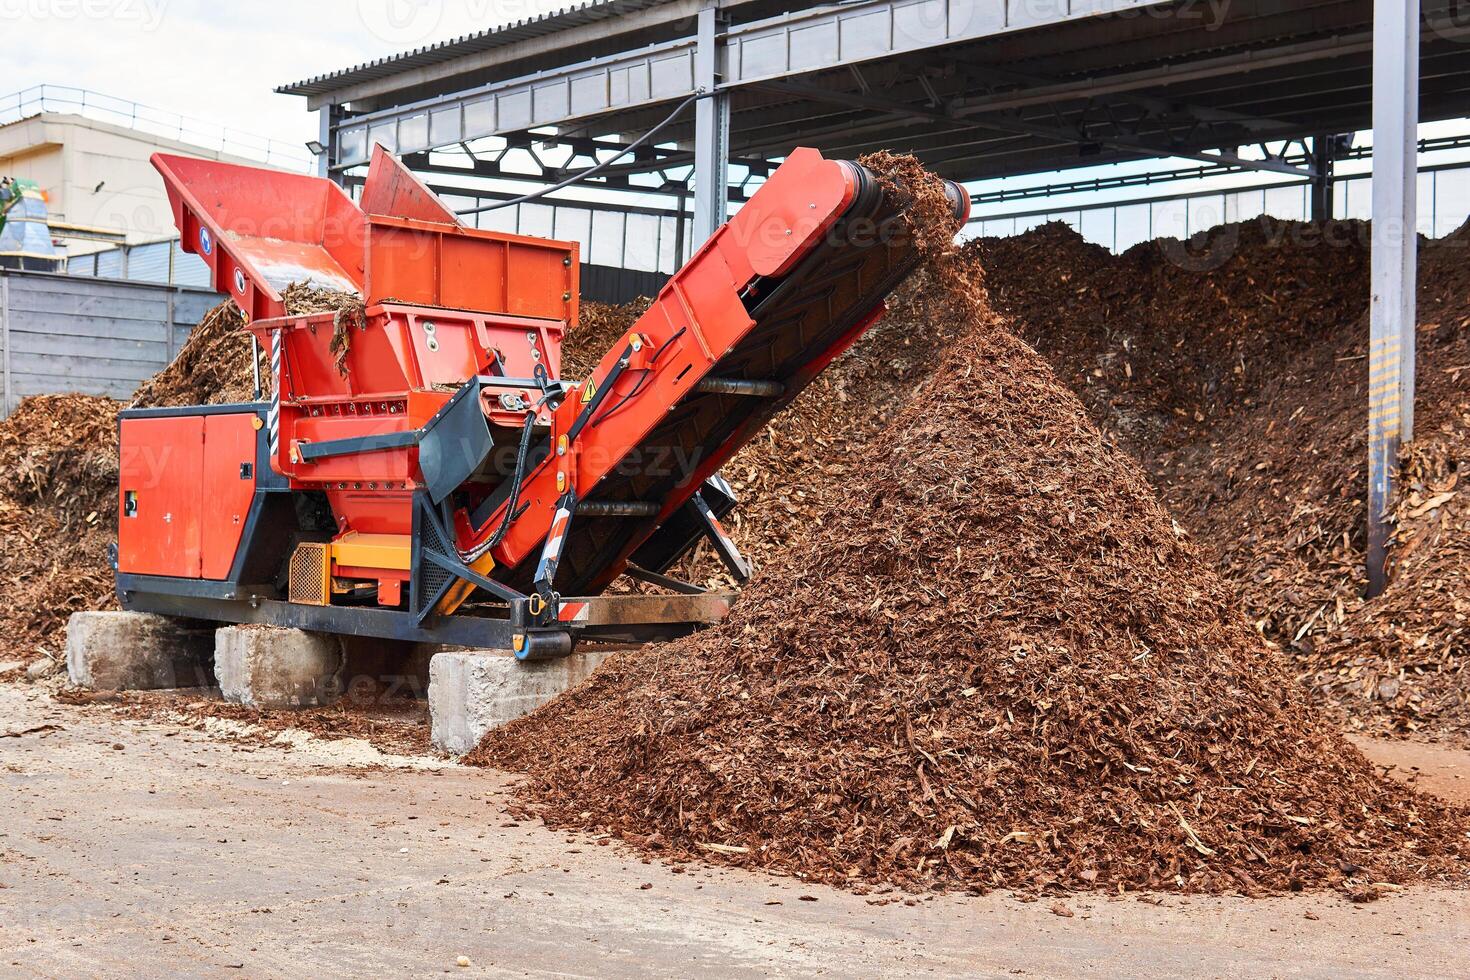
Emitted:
<point x="134" y="651"/>
<point x="276" y="667"/>
<point x="471" y="692"/>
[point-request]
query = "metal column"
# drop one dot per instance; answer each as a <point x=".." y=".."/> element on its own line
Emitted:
<point x="327" y="129"/>
<point x="5" y="391"/>
<point x="711" y="131"/>
<point x="1324" y="149"/>
<point x="681" y="209"/>
<point x="1395" y="247"/>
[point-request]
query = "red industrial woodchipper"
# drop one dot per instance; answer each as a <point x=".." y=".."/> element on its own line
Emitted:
<point x="439" y="481"/>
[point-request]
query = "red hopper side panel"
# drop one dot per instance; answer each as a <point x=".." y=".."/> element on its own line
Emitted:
<point x="259" y="230"/>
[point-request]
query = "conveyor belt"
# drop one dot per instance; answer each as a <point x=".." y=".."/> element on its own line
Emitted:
<point x="799" y="319"/>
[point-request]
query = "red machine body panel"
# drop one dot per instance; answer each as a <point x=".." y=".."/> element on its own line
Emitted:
<point x="772" y="230"/>
<point x="400" y="348"/>
<point x="227" y="488"/>
<point x="396" y="191"/>
<point x="462" y="268"/>
<point x="160" y="528"/>
<point x="260" y="230"/>
<point x="183" y="494"/>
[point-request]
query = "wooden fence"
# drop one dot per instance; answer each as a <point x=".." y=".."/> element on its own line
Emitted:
<point x="98" y="336"/>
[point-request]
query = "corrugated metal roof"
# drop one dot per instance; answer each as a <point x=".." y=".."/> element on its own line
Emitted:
<point x="541" y="25"/>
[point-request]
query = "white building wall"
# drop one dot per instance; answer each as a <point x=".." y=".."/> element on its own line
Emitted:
<point x="97" y="174"/>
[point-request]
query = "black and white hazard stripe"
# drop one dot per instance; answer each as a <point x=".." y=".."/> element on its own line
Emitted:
<point x="273" y="417"/>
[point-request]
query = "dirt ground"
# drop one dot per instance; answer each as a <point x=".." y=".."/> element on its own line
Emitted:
<point x="117" y="859"/>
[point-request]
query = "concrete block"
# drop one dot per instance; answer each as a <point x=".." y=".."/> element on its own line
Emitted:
<point x="133" y="651"/>
<point x="471" y="692"/>
<point x="276" y="667"/>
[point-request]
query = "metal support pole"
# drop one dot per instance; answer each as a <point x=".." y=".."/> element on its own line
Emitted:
<point x="328" y="139"/>
<point x="1323" y="155"/>
<point x="168" y="321"/>
<point x="257" y="390"/>
<point x="711" y="131"/>
<point x="679" y="236"/>
<point x="1395" y="246"/>
<point x="5" y="402"/>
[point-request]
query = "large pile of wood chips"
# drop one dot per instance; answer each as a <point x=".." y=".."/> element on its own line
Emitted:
<point x="986" y="657"/>
<point x="1236" y="371"/>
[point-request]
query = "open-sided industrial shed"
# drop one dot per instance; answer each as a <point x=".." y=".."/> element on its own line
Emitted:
<point x="976" y="88"/>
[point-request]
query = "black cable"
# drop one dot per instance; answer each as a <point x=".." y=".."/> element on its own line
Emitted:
<point x="522" y="454"/>
<point x="591" y="171"/>
<point x="647" y="373"/>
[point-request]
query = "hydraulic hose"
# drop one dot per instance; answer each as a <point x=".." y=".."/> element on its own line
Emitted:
<point x="523" y="454"/>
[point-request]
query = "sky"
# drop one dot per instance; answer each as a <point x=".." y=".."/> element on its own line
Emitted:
<point x="219" y="61"/>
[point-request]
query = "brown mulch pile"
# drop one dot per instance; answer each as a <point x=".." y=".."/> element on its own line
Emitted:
<point x="822" y="437"/>
<point x="995" y="662"/>
<point x="1235" y="369"/>
<point x="599" y="327"/>
<point x="58" y="515"/>
<point x="212" y="368"/>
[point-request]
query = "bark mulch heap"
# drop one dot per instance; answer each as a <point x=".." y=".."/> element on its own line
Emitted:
<point x="599" y="327"/>
<point x="822" y="436"/>
<point x="1237" y="372"/>
<point x="212" y="368"/>
<point x="58" y="514"/>
<point x="997" y="663"/>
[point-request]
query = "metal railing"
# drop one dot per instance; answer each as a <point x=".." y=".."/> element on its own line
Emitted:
<point x="157" y="262"/>
<point x="157" y="122"/>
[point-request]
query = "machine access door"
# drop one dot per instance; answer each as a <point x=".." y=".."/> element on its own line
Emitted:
<point x="160" y="530"/>
<point x="187" y="482"/>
